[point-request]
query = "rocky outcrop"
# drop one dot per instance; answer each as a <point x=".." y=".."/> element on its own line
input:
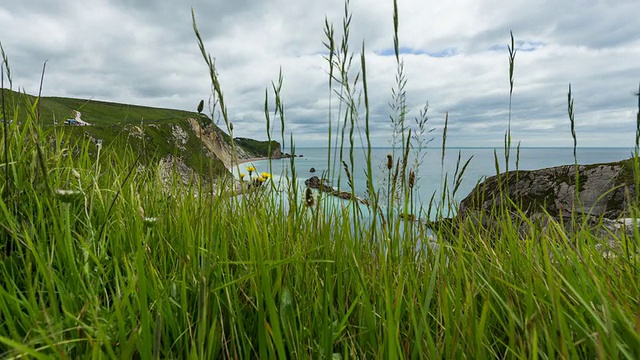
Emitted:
<point x="602" y="190"/>
<point x="600" y="202"/>
<point x="315" y="182"/>
<point x="169" y="165"/>
<point x="277" y="153"/>
<point x="214" y="141"/>
<point x="180" y="137"/>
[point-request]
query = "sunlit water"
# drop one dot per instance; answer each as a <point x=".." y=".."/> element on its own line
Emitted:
<point x="432" y="172"/>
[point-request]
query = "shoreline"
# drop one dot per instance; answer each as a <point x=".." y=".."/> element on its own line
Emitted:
<point x="233" y="164"/>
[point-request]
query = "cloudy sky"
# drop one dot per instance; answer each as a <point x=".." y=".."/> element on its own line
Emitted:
<point x="454" y="52"/>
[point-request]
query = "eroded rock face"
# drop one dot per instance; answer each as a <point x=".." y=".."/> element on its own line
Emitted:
<point x="277" y="153"/>
<point x="180" y="136"/>
<point x="603" y="190"/>
<point x="170" y="164"/>
<point x="216" y="144"/>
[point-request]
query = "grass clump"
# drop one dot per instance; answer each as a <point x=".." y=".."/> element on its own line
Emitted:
<point x="100" y="259"/>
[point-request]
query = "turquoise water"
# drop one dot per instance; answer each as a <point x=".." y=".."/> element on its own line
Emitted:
<point x="432" y="172"/>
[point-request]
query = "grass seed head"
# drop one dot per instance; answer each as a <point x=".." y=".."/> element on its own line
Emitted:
<point x="68" y="196"/>
<point x="308" y="197"/>
<point x="412" y="179"/>
<point x="149" y="221"/>
<point x="346" y="169"/>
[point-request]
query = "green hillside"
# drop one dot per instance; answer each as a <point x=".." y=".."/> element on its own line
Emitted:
<point x="93" y="111"/>
<point x="256" y="147"/>
<point x="152" y="130"/>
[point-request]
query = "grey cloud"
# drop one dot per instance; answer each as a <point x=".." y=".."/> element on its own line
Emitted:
<point x="145" y="53"/>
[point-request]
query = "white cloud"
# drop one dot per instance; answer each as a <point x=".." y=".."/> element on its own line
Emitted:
<point x="454" y="54"/>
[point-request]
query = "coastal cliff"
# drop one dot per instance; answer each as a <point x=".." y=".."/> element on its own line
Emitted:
<point x="199" y="150"/>
<point x="187" y="142"/>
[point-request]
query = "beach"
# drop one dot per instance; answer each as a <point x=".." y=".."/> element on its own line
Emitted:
<point x="232" y="164"/>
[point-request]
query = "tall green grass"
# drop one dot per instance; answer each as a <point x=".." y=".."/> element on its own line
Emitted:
<point x="115" y="263"/>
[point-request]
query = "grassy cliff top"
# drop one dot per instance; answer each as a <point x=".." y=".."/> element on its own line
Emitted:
<point x="159" y="131"/>
<point x="93" y="111"/>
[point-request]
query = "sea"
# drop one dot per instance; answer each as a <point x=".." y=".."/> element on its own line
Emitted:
<point x="434" y="169"/>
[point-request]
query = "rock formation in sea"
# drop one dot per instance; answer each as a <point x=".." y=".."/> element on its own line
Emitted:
<point x="315" y="182"/>
<point x="603" y="190"/>
<point x="602" y="202"/>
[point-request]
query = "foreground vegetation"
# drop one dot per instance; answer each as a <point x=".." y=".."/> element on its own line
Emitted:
<point x="102" y="259"/>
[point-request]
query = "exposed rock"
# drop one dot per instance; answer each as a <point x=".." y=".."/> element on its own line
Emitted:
<point x="546" y="196"/>
<point x="170" y="164"/>
<point x="277" y="153"/>
<point x="314" y="182"/>
<point x="215" y="142"/>
<point x="172" y="168"/>
<point x="611" y="232"/>
<point x="285" y="156"/>
<point x="603" y="190"/>
<point x="312" y="170"/>
<point x="179" y="136"/>
<point x="135" y="131"/>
